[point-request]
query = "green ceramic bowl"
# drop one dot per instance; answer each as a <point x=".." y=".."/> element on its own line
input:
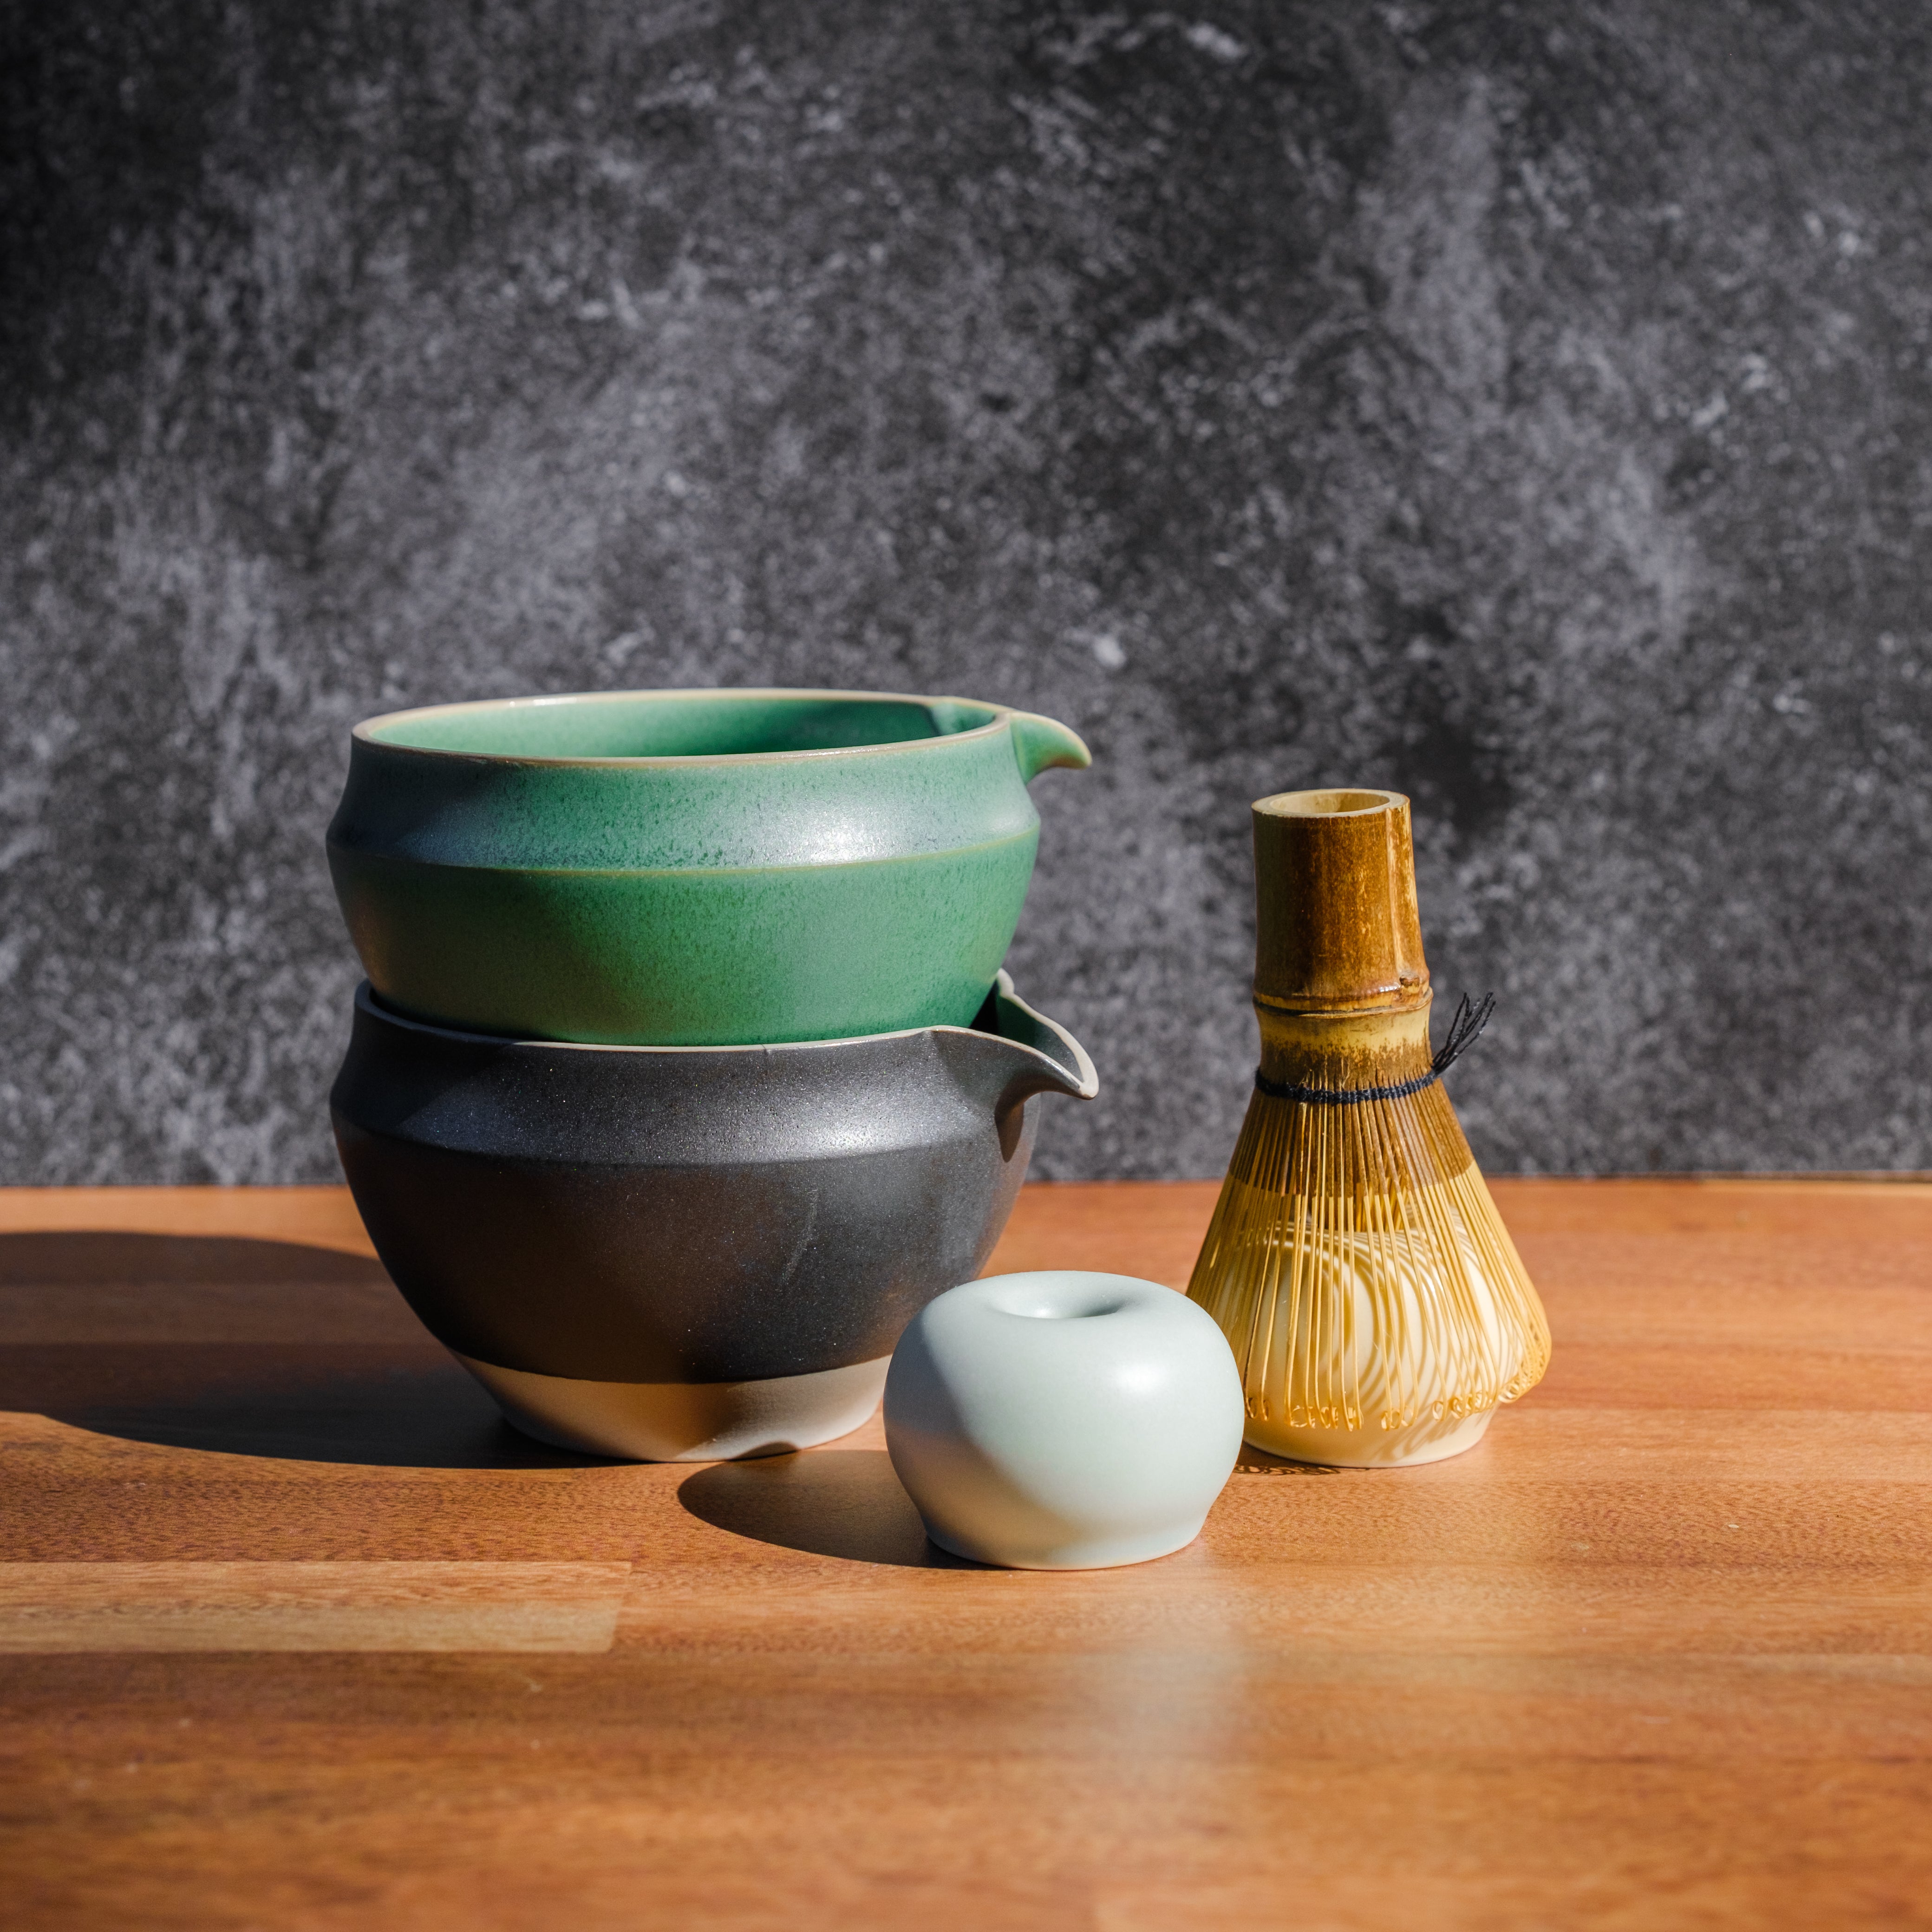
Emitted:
<point x="691" y="867"/>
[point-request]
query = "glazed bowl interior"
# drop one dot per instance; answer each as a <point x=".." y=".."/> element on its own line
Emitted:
<point x="675" y="724"/>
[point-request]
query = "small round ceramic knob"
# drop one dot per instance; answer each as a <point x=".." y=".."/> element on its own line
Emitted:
<point x="1063" y="1421"/>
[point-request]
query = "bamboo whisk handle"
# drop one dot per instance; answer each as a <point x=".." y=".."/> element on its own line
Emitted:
<point x="1336" y="928"/>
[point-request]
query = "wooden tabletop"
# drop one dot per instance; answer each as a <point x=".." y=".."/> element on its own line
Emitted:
<point x="294" y="1633"/>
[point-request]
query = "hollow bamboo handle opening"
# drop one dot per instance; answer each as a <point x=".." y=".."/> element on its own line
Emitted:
<point x="1336" y="928"/>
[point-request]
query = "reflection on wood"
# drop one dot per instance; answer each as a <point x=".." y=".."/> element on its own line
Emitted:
<point x="398" y="1606"/>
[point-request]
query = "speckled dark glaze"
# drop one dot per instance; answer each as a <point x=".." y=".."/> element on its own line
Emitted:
<point x="691" y="867"/>
<point x="696" y="1214"/>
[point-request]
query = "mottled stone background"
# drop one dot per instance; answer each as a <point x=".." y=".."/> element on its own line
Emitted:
<point x="1526" y="406"/>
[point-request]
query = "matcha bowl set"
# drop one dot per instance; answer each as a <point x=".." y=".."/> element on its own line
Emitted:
<point x="686" y="1074"/>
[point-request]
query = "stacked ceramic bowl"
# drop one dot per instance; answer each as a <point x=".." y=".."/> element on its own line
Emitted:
<point x="685" y="1073"/>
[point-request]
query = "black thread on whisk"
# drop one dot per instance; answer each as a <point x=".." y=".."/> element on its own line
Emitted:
<point x="1463" y="1032"/>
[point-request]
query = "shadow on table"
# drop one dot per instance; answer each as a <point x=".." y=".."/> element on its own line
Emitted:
<point x="827" y="1502"/>
<point x="248" y="1347"/>
<point x="1253" y="1462"/>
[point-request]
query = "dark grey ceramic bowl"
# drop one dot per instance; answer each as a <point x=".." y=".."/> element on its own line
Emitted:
<point x="686" y="1253"/>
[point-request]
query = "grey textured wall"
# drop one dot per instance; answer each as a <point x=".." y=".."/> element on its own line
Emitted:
<point x="1526" y="406"/>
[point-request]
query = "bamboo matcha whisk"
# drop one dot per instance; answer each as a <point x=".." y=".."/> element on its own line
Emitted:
<point x="1374" y="1300"/>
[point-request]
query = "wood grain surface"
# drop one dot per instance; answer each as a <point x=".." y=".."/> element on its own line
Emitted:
<point x="294" y="1633"/>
